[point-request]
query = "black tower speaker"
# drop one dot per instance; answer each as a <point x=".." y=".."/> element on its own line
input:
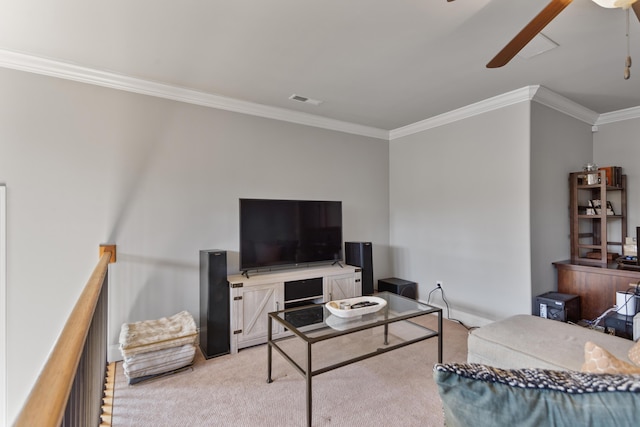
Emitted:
<point x="214" y="304"/>
<point x="401" y="287"/>
<point x="359" y="254"/>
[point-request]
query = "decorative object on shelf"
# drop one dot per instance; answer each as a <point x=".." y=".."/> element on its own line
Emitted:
<point x="630" y="246"/>
<point x="610" y="208"/>
<point x="358" y="306"/>
<point x="591" y="174"/>
<point x="614" y="175"/>
<point x="596" y="204"/>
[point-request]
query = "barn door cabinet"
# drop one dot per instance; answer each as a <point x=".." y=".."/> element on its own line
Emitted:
<point x="252" y="298"/>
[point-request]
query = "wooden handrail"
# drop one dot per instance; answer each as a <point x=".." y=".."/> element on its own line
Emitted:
<point x="47" y="401"/>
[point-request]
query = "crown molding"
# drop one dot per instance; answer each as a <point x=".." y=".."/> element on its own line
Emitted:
<point x="536" y="93"/>
<point x="494" y="103"/>
<point x="540" y="94"/>
<point x="63" y="70"/>
<point x="618" y="116"/>
<point x="564" y="105"/>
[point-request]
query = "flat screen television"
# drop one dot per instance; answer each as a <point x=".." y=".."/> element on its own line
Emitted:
<point x="287" y="233"/>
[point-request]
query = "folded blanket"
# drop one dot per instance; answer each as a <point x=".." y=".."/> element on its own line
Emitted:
<point x="159" y="357"/>
<point x="155" y="371"/>
<point x="160" y="362"/>
<point x="158" y="334"/>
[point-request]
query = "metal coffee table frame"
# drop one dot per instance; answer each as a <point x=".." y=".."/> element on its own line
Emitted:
<point x="385" y="317"/>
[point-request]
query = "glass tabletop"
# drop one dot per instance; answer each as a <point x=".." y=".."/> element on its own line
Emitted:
<point x="316" y="322"/>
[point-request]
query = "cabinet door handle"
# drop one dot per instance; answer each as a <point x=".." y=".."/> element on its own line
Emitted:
<point x="330" y="296"/>
<point x="277" y="305"/>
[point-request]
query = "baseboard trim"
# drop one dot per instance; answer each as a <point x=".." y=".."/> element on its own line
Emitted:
<point x="113" y="353"/>
<point x="470" y="320"/>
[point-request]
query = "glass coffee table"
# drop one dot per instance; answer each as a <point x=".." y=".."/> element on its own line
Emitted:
<point x="320" y="341"/>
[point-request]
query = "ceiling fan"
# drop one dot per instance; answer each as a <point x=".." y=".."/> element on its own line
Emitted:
<point x="542" y="19"/>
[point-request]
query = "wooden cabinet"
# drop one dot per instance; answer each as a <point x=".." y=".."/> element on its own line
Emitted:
<point x="343" y="286"/>
<point x="250" y="306"/>
<point x="594" y="235"/>
<point x="252" y="298"/>
<point x="595" y="284"/>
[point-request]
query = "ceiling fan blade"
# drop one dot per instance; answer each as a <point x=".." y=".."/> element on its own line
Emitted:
<point x="529" y="32"/>
<point x="636" y="9"/>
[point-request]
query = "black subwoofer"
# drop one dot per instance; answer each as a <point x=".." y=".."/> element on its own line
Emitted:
<point x="401" y="287"/>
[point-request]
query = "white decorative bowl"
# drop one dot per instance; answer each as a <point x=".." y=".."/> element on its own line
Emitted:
<point x="334" y="306"/>
<point x="342" y="323"/>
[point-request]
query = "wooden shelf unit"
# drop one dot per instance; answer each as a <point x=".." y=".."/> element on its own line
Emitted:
<point x="589" y="233"/>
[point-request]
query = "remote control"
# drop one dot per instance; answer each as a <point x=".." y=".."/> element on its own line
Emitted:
<point x="363" y="304"/>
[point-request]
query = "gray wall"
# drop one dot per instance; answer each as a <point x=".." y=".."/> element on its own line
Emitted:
<point x="616" y="144"/>
<point x="460" y="212"/>
<point x="481" y="205"/>
<point x="86" y="165"/>
<point x="560" y="144"/>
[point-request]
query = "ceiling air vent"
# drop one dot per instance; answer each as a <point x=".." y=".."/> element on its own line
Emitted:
<point x="304" y="99"/>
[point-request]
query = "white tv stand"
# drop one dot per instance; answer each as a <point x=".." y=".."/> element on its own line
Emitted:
<point x="251" y="298"/>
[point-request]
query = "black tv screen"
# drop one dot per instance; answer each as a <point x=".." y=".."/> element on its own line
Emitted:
<point x="289" y="232"/>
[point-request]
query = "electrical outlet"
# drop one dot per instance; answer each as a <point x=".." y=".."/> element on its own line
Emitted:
<point x="439" y="283"/>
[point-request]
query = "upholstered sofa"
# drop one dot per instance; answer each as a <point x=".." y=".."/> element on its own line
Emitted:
<point x="529" y="371"/>
<point x="525" y="341"/>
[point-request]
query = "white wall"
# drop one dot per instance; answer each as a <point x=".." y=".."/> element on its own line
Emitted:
<point x="560" y="144"/>
<point x="616" y="144"/>
<point x="86" y="165"/>
<point x="460" y="212"/>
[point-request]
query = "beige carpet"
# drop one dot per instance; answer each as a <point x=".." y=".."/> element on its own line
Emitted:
<point x="395" y="388"/>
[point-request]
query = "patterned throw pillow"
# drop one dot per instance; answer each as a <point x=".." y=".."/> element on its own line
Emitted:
<point x="483" y="396"/>
<point x="634" y="353"/>
<point x="597" y="360"/>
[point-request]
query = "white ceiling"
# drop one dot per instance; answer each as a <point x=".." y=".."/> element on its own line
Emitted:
<point x="378" y="63"/>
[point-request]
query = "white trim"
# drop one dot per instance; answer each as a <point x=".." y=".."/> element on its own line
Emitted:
<point x="540" y="94"/>
<point x="500" y="101"/>
<point x="4" y="420"/>
<point x="564" y="105"/>
<point x="619" y="116"/>
<point x="114" y="354"/>
<point x="63" y="70"/>
<point x="469" y="319"/>
<point x="536" y="93"/>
